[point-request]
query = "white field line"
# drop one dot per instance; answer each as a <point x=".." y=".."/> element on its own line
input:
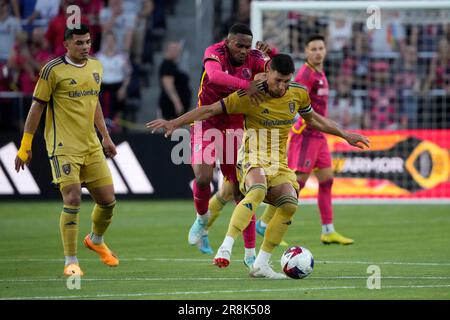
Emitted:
<point x="183" y="293"/>
<point x="234" y="260"/>
<point x="24" y="280"/>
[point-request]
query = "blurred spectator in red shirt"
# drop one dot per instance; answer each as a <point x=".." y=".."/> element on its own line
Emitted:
<point x="383" y="112"/>
<point x="27" y="60"/>
<point x="57" y="27"/>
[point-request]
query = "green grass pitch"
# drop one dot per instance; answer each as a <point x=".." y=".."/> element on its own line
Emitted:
<point x="409" y="243"/>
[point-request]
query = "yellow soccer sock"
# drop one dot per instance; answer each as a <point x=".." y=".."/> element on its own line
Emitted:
<point x="68" y="225"/>
<point x="268" y="214"/>
<point x="216" y="204"/>
<point x="278" y="225"/>
<point x="244" y="210"/>
<point x="101" y="218"/>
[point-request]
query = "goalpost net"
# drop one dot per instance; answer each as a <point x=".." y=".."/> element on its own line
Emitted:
<point x="388" y="67"/>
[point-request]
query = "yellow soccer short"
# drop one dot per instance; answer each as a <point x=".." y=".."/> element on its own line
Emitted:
<point x="274" y="176"/>
<point x="91" y="170"/>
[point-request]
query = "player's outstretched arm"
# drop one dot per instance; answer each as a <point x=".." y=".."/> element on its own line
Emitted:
<point x="24" y="154"/>
<point x="202" y="113"/>
<point x="323" y="124"/>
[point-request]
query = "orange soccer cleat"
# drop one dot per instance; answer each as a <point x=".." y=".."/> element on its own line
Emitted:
<point x="106" y="255"/>
<point x="73" y="270"/>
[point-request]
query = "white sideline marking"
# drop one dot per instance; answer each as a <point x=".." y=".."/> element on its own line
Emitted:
<point x="218" y="291"/>
<point x="234" y="260"/>
<point x="217" y="279"/>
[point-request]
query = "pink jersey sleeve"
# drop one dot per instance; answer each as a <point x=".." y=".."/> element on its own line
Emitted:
<point x="257" y="61"/>
<point x="305" y="77"/>
<point x="214" y="53"/>
<point x="217" y="76"/>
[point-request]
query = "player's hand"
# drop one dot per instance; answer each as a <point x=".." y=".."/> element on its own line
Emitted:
<point x="20" y="164"/>
<point x="109" y="147"/>
<point x="254" y="92"/>
<point x="168" y="126"/>
<point x="263" y="47"/>
<point x="357" y="140"/>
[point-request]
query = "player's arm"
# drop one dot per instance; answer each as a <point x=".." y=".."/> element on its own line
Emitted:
<point x="24" y="154"/>
<point x="323" y="124"/>
<point x="41" y="95"/>
<point x="202" y="113"/>
<point x="217" y="76"/>
<point x="266" y="48"/>
<point x="108" y="145"/>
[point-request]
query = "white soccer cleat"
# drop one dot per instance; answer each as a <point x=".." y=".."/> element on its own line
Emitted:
<point x="265" y="271"/>
<point x="222" y="258"/>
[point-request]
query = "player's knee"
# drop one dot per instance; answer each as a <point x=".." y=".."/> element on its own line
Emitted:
<point x="72" y="199"/>
<point x="288" y="205"/>
<point x="203" y="180"/>
<point x="257" y="192"/>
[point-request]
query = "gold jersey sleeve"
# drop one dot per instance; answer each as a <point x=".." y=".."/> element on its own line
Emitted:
<point x="46" y="82"/>
<point x="237" y="102"/>
<point x="303" y="98"/>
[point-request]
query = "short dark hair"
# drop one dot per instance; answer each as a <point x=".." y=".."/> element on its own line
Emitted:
<point x="315" y="37"/>
<point x="282" y="63"/>
<point x="240" y="28"/>
<point x="82" y="30"/>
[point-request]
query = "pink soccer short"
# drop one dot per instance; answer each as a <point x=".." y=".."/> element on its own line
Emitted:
<point x="205" y="149"/>
<point x="307" y="152"/>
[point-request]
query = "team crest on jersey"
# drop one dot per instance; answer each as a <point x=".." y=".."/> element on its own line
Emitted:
<point x="96" y="77"/>
<point x="291" y="107"/>
<point x="246" y="73"/>
<point x="66" y="168"/>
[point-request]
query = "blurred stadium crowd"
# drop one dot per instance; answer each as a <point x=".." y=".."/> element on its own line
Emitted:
<point x="395" y="77"/>
<point x="125" y="34"/>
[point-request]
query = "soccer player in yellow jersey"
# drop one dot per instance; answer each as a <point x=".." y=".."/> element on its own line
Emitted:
<point x="68" y="87"/>
<point x="263" y="172"/>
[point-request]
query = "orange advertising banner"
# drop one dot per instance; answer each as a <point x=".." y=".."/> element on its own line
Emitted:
<point x="399" y="164"/>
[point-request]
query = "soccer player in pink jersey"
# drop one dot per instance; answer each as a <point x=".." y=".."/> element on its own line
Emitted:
<point x="308" y="147"/>
<point x="229" y="65"/>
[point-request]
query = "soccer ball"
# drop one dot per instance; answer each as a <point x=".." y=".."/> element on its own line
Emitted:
<point x="297" y="262"/>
